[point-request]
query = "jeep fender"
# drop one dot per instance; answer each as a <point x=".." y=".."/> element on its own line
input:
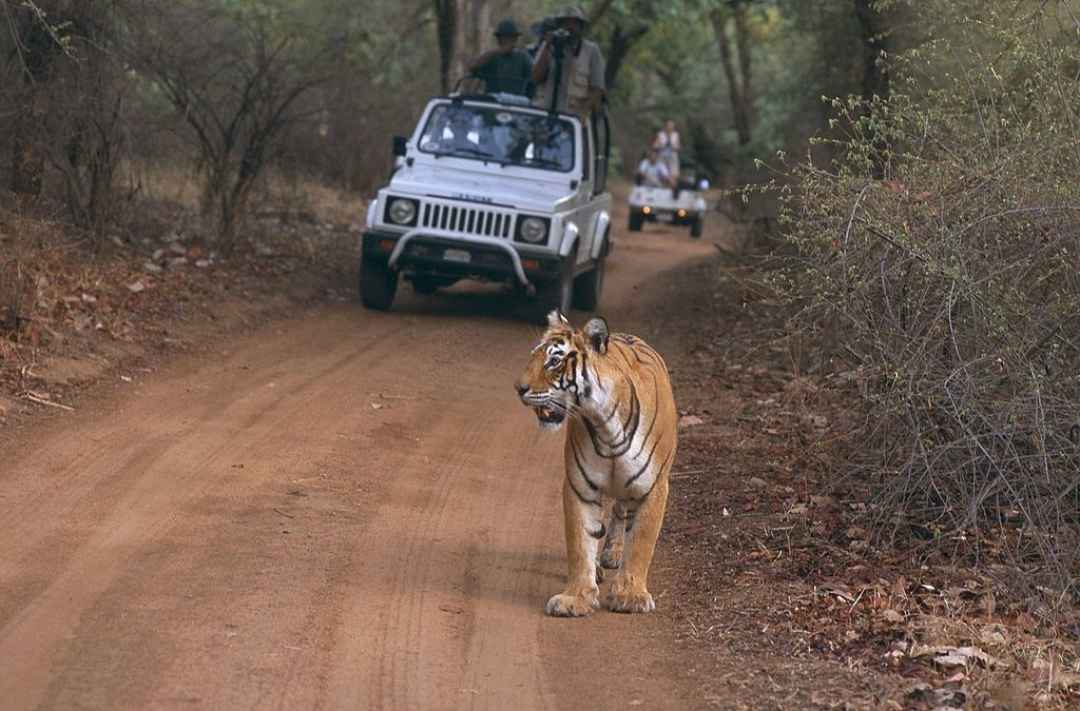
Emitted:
<point x="600" y="233"/>
<point x="372" y="212"/>
<point x="569" y="239"/>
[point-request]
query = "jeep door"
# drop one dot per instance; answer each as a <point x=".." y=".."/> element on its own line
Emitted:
<point x="591" y="200"/>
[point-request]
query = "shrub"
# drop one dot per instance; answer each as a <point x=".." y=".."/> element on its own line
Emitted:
<point x="938" y="257"/>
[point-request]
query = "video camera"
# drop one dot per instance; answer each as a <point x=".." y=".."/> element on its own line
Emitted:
<point x="560" y="40"/>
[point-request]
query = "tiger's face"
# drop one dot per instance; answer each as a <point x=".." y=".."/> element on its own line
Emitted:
<point x="556" y="382"/>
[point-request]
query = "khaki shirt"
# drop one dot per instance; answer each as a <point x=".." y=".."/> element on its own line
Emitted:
<point x="580" y="73"/>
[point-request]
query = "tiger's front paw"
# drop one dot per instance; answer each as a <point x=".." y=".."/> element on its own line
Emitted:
<point x="630" y="602"/>
<point x="564" y="605"/>
<point x="628" y="598"/>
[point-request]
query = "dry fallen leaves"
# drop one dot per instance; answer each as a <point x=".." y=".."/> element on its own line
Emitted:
<point x="956" y="656"/>
<point x="690" y="421"/>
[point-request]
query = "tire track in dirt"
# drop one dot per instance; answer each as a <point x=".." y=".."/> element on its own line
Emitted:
<point x="144" y="506"/>
<point x="350" y="512"/>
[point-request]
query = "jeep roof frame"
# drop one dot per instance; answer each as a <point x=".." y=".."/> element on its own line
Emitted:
<point x="496" y="100"/>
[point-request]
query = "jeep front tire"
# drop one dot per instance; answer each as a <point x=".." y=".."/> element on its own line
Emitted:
<point x="589" y="286"/>
<point x="378" y="284"/>
<point x="636" y="219"/>
<point x="558" y="293"/>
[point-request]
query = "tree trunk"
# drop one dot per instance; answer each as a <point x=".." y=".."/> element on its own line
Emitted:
<point x="27" y="157"/>
<point x="875" y="79"/>
<point x="621" y="42"/>
<point x="742" y="39"/>
<point x="446" y="29"/>
<point x="479" y="26"/>
<point x="39" y="30"/>
<point x="37" y="52"/>
<point x="738" y="80"/>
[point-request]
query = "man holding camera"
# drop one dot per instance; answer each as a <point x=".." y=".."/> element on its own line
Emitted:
<point x="580" y="85"/>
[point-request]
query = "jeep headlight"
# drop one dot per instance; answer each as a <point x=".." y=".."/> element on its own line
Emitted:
<point x="533" y="230"/>
<point x="401" y="211"/>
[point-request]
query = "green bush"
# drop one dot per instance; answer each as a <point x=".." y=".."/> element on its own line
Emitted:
<point x="938" y="257"/>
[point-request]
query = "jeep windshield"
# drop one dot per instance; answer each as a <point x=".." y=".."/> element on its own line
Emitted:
<point x="500" y="135"/>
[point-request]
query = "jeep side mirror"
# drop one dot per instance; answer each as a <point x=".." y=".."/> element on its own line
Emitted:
<point x="400" y="147"/>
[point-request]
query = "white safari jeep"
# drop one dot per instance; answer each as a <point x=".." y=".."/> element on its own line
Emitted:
<point x="490" y="188"/>
<point x="685" y="206"/>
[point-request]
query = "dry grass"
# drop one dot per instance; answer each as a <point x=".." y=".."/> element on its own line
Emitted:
<point x="23" y="240"/>
<point x="307" y="197"/>
<point x="290" y="197"/>
<point x="163" y="183"/>
<point x="65" y="295"/>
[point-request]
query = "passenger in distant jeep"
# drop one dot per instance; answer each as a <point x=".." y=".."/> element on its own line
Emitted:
<point x="653" y="172"/>
<point x="505" y="69"/>
<point x="667" y="145"/>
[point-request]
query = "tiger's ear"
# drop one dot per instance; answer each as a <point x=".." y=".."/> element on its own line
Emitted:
<point x="555" y="319"/>
<point x="596" y="331"/>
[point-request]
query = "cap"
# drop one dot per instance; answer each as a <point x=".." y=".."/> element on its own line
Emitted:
<point x="507" y="28"/>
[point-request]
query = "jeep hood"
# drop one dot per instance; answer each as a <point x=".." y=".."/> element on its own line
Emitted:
<point x="495" y="185"/>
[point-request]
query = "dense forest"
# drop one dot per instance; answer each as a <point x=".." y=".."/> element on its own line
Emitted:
<point x="96" y="93"/>
<point x="921" y="157"/>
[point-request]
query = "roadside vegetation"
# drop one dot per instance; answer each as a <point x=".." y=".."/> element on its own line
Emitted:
<point x="924" y="271"/>
<point x="936" y="260"/>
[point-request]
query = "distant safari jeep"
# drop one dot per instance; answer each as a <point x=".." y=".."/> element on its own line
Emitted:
<point x="490" y="188"/>
<point x="685" y="206"/>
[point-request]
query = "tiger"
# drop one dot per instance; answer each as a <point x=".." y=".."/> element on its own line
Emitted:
<point x="613" y="392"/>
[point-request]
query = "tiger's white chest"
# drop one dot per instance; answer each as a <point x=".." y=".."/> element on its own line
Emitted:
<point x="625" y="472"/>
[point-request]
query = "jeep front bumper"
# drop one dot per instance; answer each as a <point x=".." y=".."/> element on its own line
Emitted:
<point x="431" y="251"/>
<point x="676" y="216"/>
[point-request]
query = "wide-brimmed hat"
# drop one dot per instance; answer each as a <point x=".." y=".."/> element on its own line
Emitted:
<point x="571" y="12"/>
<point x="507" y="28"/>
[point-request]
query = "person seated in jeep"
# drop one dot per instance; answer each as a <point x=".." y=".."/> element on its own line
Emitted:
<point x="545" y="142"/>
<point x="505" y="69"/>
<point x="497" y="134"/>
<point x="581" y="84"/>
<point x="457" y="130"/>
<point x="653" y="172"/>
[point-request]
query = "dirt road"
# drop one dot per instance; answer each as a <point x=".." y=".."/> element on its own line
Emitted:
<point x="348" y="510"/>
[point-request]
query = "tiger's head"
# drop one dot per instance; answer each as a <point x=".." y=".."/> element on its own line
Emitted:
<point x="559" y="381"/>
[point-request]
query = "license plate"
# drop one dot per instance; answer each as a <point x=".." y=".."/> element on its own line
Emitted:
<point x="457" y="255"/>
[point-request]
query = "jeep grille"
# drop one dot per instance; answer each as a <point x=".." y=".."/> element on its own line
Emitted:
<point x="467" y="220"/>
